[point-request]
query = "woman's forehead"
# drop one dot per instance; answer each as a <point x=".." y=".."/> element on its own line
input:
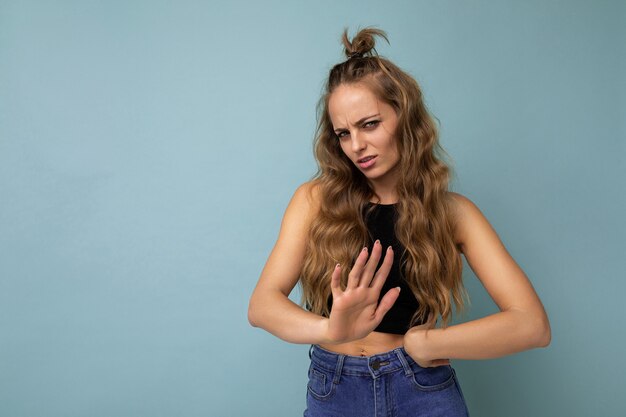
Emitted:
<point x="349" y="104"/>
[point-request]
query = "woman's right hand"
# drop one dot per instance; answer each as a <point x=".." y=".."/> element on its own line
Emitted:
<point x="355" y="312"/>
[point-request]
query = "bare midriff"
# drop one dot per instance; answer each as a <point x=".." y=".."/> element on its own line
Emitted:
<point x="371" y="344"/>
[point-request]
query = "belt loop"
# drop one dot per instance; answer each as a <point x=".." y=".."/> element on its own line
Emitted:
<point x="338" y="368"/>
<point x="405" y="364"/>
<point x="310" y="350"/>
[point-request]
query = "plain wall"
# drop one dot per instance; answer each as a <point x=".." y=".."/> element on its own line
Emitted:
<point x="148" y="150"/>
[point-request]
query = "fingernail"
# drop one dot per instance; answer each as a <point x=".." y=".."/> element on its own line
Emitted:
<point x="364" y="249"/>
<point x="337" y="266"/>
<point x="390" y="248"/>
<point x="377" y="242"/>
<point x="399" y="289"/>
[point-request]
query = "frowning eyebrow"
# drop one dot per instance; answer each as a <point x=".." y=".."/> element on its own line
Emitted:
<point x="339" y="129"/>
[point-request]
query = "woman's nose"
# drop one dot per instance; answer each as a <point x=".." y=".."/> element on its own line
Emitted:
<point x="357" y="142"/>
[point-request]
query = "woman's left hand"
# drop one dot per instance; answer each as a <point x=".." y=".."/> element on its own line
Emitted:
<point x="414" y="340"/>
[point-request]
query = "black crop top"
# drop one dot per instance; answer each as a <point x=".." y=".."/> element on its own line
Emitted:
<point x="380" y="223"/>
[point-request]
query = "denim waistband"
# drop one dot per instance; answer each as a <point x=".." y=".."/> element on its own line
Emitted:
<point x="374" y="365"/>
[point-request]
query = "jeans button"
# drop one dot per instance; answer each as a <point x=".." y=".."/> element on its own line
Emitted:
<point x="376" y="365"/>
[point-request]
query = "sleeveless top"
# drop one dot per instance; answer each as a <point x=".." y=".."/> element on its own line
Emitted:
<point x="380" y="224"/>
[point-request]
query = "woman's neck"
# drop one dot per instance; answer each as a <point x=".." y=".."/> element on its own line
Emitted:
<point x="385" y="189"/>
<point x="386" y="196"/>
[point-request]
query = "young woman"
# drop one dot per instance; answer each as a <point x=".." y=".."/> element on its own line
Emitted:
<point x="375" y="239"/>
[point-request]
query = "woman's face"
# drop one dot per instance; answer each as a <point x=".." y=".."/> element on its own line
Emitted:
<point x="365" y="128"/>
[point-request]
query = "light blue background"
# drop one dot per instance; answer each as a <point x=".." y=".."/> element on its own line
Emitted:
<point x="149" y="149"/>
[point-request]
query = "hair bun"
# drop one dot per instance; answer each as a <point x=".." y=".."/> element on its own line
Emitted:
<point x="363" y="42"/>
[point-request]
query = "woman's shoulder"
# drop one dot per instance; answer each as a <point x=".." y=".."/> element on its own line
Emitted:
<point x="310" y="188"/>
<point x="464" y="213"/>
<point x="306" y="198"/>
<point x="309" y="192"/>
<point x="458" y="202"/>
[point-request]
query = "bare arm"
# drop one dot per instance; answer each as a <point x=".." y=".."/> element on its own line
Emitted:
<point x="522" y="322"/>
<point x="355" y="312"/>
<point x="269" y="307"/>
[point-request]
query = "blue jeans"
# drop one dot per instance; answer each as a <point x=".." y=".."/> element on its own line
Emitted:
<point x="389" y="384"/>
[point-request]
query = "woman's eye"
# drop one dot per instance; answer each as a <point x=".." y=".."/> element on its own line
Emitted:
<point x="370" y="124"/>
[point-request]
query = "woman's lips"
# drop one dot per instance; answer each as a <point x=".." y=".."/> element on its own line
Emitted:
<point x="368" y="163"/>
